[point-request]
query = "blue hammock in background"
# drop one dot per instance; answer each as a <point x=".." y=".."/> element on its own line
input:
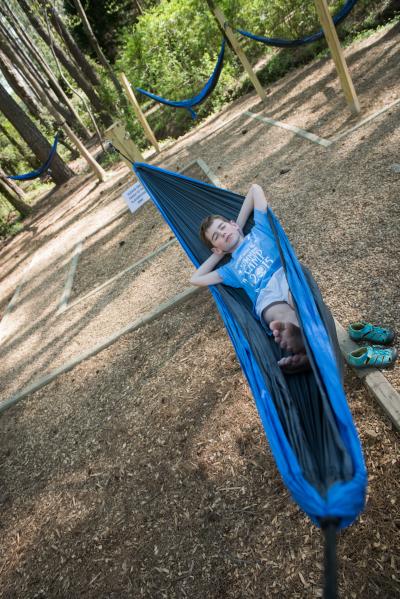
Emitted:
<point x="305" y="416"/>
<point x="201" y="96"/>
<point x="283" y="43"/>
<point x="40" y="171"/>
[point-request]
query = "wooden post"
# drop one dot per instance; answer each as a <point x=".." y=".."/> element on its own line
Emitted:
<point x="94" y="165"/>
<point x="138" y="111"/>
<point x="227" y="31"/>
<point x="119" y="138"/>
<point x="337" y="56"/>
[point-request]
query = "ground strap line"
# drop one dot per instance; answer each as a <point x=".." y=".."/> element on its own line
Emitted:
<point x="373" y="379"/>
<point x="292" y="128"/>
<point x="149" y="317"/>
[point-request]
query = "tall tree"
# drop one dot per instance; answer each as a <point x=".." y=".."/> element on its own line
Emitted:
<point x="74" y="72"/>
<point x="37" y="71"/>
<point x="17" y="83"/>
<point x="13" y="141"/>
<point x="80" y="58"/>
<point x="106" y="18"/>
<point x="30" y="133"/>
<point x="38" y="83"/>
<point x="12" y="196"/>
<point x="103" y="60"/>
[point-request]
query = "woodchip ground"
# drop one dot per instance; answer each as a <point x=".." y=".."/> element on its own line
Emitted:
<point x="144" y="471"/>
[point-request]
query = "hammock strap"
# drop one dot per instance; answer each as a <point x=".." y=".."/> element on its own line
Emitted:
<point x="201" y="96"/>
<point x="284" y="43"/>
<point x="40" y="171"/>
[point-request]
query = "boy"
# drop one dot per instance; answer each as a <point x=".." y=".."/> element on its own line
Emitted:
<point x="255" y="266"/>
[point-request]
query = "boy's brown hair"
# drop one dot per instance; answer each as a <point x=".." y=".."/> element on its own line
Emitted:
<point x="206" y="224"/>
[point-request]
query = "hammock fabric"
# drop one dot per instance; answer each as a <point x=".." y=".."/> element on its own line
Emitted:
<point x="305" y="416"/>
<point x="40" y="171"/>
<point x="201" y="96"/>
<point x="283" y="43"/>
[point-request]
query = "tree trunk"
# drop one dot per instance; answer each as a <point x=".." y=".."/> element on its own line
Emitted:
<point x="16" y="82"/>
<point x="72" y="70"/>
<point x="103" y="60"/>
<point x="30" y="52"/>
<point x="38" y="84"/>
<point x="13" y="186"/>
<point x="15" y="201"/>
<point x="39" y="145"/>
<point x="72" y="46"/>
<point x="21" y="149"/>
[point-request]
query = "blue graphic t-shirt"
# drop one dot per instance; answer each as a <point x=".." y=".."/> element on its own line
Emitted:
<point x="256" y="259"/>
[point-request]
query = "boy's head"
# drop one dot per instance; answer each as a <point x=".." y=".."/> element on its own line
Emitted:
<point x="220" y="234"/>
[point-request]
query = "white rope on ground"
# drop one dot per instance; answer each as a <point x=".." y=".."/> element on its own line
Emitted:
<point x="292" y="128"/>
<point x="364" y="121"/>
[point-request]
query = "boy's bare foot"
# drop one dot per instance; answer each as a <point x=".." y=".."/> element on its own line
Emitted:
<point x="288" y="335"/>
<point x="296" y="363"/>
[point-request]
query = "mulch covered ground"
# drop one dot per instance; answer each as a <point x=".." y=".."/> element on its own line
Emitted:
<point x="144" y="472"/>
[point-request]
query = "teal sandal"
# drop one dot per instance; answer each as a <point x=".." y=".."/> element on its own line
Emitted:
<point x="364" y="331"/>
<point x="377" y="356"/>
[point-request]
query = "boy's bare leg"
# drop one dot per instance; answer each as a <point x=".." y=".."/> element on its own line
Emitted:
<point x="285" y="328"/>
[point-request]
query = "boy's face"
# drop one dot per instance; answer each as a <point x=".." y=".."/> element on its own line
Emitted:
<point x="225" y="236"/>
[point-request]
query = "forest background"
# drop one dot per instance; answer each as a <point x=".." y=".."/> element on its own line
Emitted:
<point x="53" y="70"/>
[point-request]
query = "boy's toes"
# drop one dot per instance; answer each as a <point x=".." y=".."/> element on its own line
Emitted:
<point x="294" y="364"/>
<point x="276" y="327"/>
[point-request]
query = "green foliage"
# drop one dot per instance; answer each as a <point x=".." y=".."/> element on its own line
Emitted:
<point x="106" y="18"/>
<point x="172" y="48"/>
<point x="172" y="51"/>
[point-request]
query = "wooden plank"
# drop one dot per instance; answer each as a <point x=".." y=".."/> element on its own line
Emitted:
<point x="138" y="111"/>
<point x="337" y="55"/>
<point x="229" y="34"/>
<point x="121" y="140"/>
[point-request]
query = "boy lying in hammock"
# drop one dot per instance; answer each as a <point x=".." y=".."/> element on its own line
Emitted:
<point x="255" y="266"/>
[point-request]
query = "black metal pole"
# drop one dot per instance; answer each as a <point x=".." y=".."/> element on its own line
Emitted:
<point x="329" y="527"/>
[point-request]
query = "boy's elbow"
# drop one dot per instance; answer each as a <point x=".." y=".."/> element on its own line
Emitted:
<point x="194" y="280"/>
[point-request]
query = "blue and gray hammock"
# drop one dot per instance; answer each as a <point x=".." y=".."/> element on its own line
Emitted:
<point x="284" y="43"/>
<point x="40" y="171"/>
<point x="201" y="96"/>
<point x="305" y="416"/>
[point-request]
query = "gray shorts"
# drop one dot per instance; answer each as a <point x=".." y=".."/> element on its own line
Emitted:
<point x="276" y="292"/>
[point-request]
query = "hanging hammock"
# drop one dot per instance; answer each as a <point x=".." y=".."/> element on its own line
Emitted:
<point x="201" y="96"/>
<point x="283" y="43"/>
<point x="40" y="171"/>
<point x="305" y="416"/>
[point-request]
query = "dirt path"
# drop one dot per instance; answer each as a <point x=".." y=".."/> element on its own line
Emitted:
<point x="145" y="470"/>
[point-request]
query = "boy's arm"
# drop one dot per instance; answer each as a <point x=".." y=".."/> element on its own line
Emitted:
<point x="255" y="198"/>
<point x="206" y="275"/>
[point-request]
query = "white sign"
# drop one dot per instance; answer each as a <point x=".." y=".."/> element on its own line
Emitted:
<point x="135" y="196"/>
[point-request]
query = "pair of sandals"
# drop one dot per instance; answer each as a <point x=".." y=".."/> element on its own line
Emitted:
<point x="377" y="356"/>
